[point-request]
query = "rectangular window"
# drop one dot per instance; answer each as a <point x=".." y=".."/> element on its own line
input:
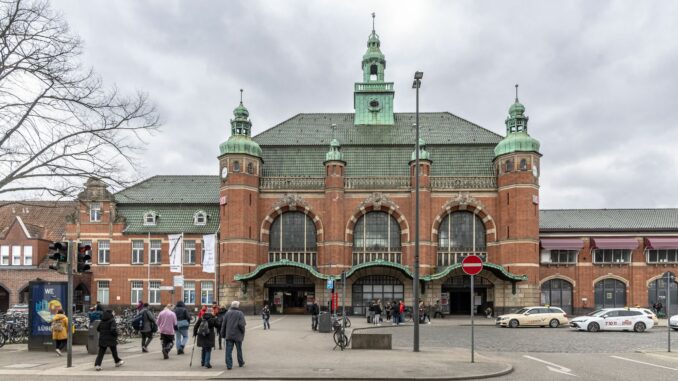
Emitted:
<point x="189" y="252"/>
<point x="189" y="292"/>
<point x="95" y="212"/>
<point x="137" y="252"/>
<point x="154" y="292"/>
<point x="137" y="291"/>
<point x="103" y="291"/>
<point x="16" y="255"/>
<point x="611" y="256"/>
<point x="156" y="250"/>
<point x="4" y="255"/>
<point x="559" y="256"/>
<point x="104" y="256"/>
<point x="206" y="292"/>
<point x="28" y="255"/>
<point x="662" y="256"/>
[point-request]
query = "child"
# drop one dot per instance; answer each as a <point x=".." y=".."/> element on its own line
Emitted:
<point x="266" y="315"/>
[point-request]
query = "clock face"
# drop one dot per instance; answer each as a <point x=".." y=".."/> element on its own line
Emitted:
<point x="224" y="173"/>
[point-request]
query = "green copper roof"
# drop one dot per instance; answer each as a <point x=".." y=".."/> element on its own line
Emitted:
<point x="172" y="190"/>
<point x="378" y="263"/>
<point x="423" y="153"/>
<point x="496" y="269"/>
<point x="261" y="269"/>
<point x="517" y="142"/>
<point x="240" y="144"/>
<point x="241" y="112"/>
<point x="334" y="154"/>
<point x="171" y="218"/>
<point x="602" y="220"/>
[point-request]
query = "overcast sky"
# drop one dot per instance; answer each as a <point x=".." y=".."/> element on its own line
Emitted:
<point x="599" y="79"/>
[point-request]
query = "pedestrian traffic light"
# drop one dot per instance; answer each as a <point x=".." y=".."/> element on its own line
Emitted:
<point x="58" y="253"/>
<point x="84" y="258"/>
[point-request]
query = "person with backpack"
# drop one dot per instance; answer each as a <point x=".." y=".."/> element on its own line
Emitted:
<point x="145" y="323"/>
<point x="220" y="321"/>
<point x="204" y="331"/>
<point x="60" y="331"/>
<point x="266" y="315"/>
<point x="108" y="339"/>
<point x="395" y="313"/>
<point x="183" y="321"/>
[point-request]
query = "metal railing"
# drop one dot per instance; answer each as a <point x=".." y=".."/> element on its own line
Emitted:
<point x="374" y="86"/>
<point x="392" y="182"/>
<point x="450" y="258"/>
<point x="305" y="257"/>
<point x="292" y="182"/>
<point x="463" y="182"/>
<point x="367" y="256"/>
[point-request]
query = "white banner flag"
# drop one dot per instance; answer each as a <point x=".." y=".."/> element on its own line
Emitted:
<point x="176" y="245"/>
<point x="208" y="260"/>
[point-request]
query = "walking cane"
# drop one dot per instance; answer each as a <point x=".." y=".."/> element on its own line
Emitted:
<point x="192" y="351"/>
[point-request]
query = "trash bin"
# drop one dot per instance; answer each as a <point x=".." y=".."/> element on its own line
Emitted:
<point x="93" y="338"/>
<point x="324" y="322"/>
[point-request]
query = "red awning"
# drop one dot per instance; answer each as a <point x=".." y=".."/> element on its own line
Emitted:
<point x="614" y="243"/>
<point x="662" y="243"/>
<point x="562" y="243"/>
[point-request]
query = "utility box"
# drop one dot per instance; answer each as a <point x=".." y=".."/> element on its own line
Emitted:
<point x="93" y="338"/>
<point x="324" y="322"/>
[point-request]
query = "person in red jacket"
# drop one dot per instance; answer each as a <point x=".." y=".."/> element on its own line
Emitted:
<point x="202" y="312"/>
<point x="401" y="308"/>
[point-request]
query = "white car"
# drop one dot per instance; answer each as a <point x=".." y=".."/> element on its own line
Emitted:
<point x="673" y="322"/>
<point x="613" y="319"/>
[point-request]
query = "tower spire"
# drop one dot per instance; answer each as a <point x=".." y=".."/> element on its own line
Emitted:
<point x="373" y="16"/>
<point x="242" y="90"/>
<point x="516" y="93"/>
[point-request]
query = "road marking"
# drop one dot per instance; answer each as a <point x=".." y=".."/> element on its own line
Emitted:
<point x="644" y="363"/>
<point x="553" y="367"/>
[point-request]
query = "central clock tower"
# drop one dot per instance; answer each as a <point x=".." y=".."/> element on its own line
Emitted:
<point x="373" y="98"/>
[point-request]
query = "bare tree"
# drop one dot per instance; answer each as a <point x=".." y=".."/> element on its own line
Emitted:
<point x="59" y="125"/>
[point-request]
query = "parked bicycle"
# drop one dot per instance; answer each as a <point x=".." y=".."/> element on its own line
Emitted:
<point x="339" y="317"/>
<point x="340" y="338"/>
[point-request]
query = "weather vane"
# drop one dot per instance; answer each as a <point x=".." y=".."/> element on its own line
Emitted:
<point x="373" y="16"/>
<point x="516" y="92"/>
<point x="240" y="95"/>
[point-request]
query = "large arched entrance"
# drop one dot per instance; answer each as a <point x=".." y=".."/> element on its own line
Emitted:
<point x="558" y="293"/>
<point x="289" y="294"/>
<point x="4" y="299"/>
<point x="375" y="287"/>
<point x="457" y="290"/>
<point x="656" y="292"/>
<point x="610" y="293"/>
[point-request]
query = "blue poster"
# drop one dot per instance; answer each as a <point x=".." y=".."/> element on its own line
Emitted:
<point x="46" y="300"/>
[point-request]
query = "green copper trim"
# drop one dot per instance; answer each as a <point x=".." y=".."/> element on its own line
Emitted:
<point x="380" y="262"/>
<point x="282" y="263"/>
<point x="517" y="139"/>
<point x="496" y="269"/>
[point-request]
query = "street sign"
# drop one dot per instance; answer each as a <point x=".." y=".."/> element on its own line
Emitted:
<point x="472" y="265"/>
<point x="330" y="284"/>
<point x="178" y="281"/>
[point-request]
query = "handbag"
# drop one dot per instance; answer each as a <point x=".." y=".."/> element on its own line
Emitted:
<point x="154" y="327"/>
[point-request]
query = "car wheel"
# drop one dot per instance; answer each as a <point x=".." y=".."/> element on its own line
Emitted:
<point x="514" y="323"/>
<point x="593" y="327"/>
<point x="639" y="327"/>
<point x="554" y="323"/>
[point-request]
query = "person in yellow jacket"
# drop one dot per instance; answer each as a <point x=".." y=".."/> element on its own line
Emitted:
<point x="60" y="331"/>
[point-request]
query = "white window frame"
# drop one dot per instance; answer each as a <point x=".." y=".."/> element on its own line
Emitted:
<point x="189" y="292"/>
<point x="156" y="251"/>
<point x="28" y="255"/>
<point x="189" y="252"/>
<point x="625" y="256"/>
<point x="104" y="251"/>
<point x="95" y="212"/>
<point x="206" y="292"/>
<point x="16" y="255"/>
<point x="200" y="218"/>
<point x="150" y="219"/>
<point x="4" y="255"/>
<point x="103" y="291"/>
<point x="662" y="256"/>
<point x="137" y="291"/>
<point x="154" y="292"/>
<point x="137" y="252"/>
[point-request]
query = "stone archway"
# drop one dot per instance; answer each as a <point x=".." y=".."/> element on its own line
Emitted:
<point x="464" y="202"/>
<point x="378" y="202"/>
<point x="290" y="202"/>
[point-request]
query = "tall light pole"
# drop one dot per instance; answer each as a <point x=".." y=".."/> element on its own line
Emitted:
<point x="415" y="289"/>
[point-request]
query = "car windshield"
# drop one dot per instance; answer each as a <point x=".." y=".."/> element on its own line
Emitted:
<point x="596" y="313"/>
<point x="522" y="310"/>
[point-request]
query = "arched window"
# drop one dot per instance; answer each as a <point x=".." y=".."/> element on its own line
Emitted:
<point x="509" y="165"/>
<point x="236" y="166"/>
<point x="293" y="237"/>
<point x="523" y="165"/>
<point x="250" y="168"/>
<point x="610" y="293"/>
<point x="200" y="218"/>
<point x="150" y="218"/>
<point x="656" y="292"/>
<point x="376" y="236"/>
<point x="558" y="293"/>
<point x="460" y="234"/>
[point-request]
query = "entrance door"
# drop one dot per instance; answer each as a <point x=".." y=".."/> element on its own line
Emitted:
<point x="459" y="289"/>
<point x="656" y="292"/>
<point x="4" y="299"/>
<point x="610" y="293"/>
<point x="289" y="294"/>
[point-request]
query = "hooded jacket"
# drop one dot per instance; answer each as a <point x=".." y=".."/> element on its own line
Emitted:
<point x="108" y="330"/>
<point x="206" y="341"/>
<point x="63" y="333"/>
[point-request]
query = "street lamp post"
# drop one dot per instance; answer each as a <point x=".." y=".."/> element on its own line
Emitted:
<point x="415" y="289"/>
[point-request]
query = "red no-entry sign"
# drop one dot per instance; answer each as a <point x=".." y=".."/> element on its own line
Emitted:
<point x="472" y="265"/>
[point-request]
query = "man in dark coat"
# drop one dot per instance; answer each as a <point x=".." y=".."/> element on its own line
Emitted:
<point x="206" y="342"/>
<point x="233" y="329"/>
<point x="108" y="338"/>
<point x="220" y="320"/>
<point x="147" y="329"/>
<point x="315" y="311"/>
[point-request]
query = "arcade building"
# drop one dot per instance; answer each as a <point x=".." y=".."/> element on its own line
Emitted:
<point x="322" y="194"/>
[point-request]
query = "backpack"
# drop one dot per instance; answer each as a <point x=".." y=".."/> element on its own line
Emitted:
<point x="57" y="326"/>
<point x="204" y="328"/>
<point x="138" y="322"/>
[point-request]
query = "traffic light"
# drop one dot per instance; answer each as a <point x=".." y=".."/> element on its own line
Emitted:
<point x="84" y="258"/>
<point x="58" y="253"/>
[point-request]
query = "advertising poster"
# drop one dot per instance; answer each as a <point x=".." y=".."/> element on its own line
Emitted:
<point x="46" y="299"/>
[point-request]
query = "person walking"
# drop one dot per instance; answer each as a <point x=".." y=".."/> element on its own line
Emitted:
<point x="401" y="311"/>
<point x="315" y="311"/>
<point x="233" y="329"/>
<point x="395" y="313"/>
<point x="220" y="322"/>
<point x="108" y="339"/>
<point x="148" y="327"/>
<point x="266" y="315"/>
<point x="166" y="322"/>
<point x="183" y="321"/>
<point x="437" y="310"/>
<point x="370" y="310"/>
<point x="204" y="331"/>
<point x="389" y="305"/>
<point x="59" y="331"/>
<point x="202" y="311"/>
<point x="98" y="307"/>
<point x="215" y="309"/>
<point x="376" y="320"/>
<point x="140" y="306"/>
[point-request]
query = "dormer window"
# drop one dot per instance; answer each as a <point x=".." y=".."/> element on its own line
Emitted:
<point x="150" y="219"/>
<point x="95" y="212"/>
<point x="200" y="218"/>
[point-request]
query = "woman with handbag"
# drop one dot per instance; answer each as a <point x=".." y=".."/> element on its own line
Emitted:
<point x="183" y="321"/>
<point x="108" y="338"/>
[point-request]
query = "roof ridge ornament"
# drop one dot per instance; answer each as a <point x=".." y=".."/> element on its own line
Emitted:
<point x="378" y="199"/>
<point x="463" y="199"/>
